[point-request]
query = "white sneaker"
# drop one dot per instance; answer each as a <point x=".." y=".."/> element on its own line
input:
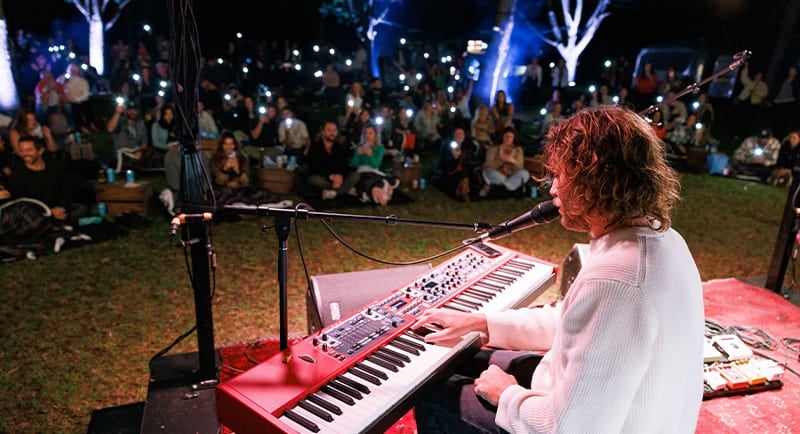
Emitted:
<point x="328" y="194"/>
<point x="58" y="244"/>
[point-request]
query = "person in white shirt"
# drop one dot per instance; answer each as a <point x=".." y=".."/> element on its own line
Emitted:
<point x="77" y="91"/>
<point x="623" y="350"/>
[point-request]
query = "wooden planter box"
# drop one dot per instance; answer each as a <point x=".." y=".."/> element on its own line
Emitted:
<point x="406" y="173"/>
<point x="120" y="197"/>
<point x="535" y="165"/>
<point x="276" y="180"/>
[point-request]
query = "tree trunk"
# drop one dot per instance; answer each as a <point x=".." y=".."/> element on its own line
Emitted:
<point x="9" y="100"/>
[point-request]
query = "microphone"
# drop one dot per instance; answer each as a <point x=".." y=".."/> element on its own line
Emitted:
<point x="181" y="219"/>
<point x="542" y="213"/>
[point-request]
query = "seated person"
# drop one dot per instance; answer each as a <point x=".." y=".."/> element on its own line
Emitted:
<point x="230" y="174"/>
<point x="163" y="132"/>
<point x="206" y="125"/>
<point x="130" y="136"/>
<point x="46" y="182"/>
<point x="328" y="164"/>
<point x="453" y="170"/>
<point x="427" y="124"/>
<point x="683" y="136"/>
<point x="373" y="184"/>
<point x="482" y="129"/>
<point x="404" y="133"/>
<point x="505" y="164"/>
<point x="263" y="134"/>
<point x="788" y="161"/>
<point x="756" y="156"/>
<point x="293" y="135"/>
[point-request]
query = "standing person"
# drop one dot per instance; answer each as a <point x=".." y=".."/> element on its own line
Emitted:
<point x="645" y="85"/>
<point x="77" y="91"/>
<point x="639" y="288"/>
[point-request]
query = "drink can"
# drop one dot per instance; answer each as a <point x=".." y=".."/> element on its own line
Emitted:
<point x="101" y="209"/>
<point x="110" y="175"/>
<point x="422" y="183"/>
<point x="414" y="184"/>
<point x="78" y="137"/>
<point x="534" y="192"/>
<point x="130" y="178"/>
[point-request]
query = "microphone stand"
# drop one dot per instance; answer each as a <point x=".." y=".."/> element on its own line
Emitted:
<point x="739" y="59"/>
<point x="283" y="225"/>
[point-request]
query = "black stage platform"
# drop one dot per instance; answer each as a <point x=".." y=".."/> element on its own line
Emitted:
<point x="178" y="401"/>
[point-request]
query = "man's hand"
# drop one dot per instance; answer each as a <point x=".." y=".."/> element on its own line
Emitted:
<point x="492" y="382"/>
<point x="336" y="180"/>
<point x="450" y="326"/>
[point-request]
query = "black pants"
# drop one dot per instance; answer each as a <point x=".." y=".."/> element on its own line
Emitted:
<point x="453" y="407"/>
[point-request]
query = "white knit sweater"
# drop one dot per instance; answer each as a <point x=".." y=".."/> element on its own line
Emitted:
<point x="624" y="350"/>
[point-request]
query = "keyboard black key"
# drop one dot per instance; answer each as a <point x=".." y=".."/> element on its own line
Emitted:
<point x="405" y="347"/>
<point x="324" y="403"/>
<point x="364" y="375"/>
<point x="307" y="424"/>
<point x="382" y="363"/>
<point x="316" y="411"/>
<point x="407" y="341"/>
<point x="336" y="384"/>
<point x="394" y="353"/>
<point x="354" y="384"/>
<point x="370" y="370"/>
<point x="338" y="395"/>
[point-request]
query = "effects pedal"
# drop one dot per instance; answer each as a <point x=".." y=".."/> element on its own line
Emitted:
<point x="710" y="354"/>
<point x="731" y="347"/>
<point x="713" y="379"/>
<point x="751" y="371"/>
<point x="733" y="377"/>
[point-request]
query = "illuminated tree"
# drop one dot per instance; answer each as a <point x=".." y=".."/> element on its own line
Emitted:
<point x="8" y="90"/>
<point x="93" y="11"/>
<point x="570" y="39"/>
<point x="363" y="16"/>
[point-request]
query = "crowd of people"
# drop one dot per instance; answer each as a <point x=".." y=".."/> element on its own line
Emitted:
<point x="310" y="103"/>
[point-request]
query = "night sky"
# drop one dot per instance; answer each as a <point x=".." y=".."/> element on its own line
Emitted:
<point x="724" y="25"/>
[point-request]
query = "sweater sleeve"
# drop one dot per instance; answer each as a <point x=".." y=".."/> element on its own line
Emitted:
<point x="607" y="329"/>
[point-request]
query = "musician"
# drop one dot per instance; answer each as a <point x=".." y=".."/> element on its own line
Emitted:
<point x="623" y="350"/>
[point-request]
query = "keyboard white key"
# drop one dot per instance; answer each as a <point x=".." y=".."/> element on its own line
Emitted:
<point x="383" y="398"/>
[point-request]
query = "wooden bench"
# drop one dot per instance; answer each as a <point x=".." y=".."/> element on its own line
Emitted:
<point x="121" y="197"/>
<point x="275" y="179"/>
<point x="406" y="172"/>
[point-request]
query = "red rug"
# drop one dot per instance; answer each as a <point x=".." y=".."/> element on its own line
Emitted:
<point x="731" y="302"/>
<point x="728" y="302"/>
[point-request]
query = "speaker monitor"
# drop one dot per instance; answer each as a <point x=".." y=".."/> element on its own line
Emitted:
<point x="334" y="296"/>
<point x="572" y="265"/>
